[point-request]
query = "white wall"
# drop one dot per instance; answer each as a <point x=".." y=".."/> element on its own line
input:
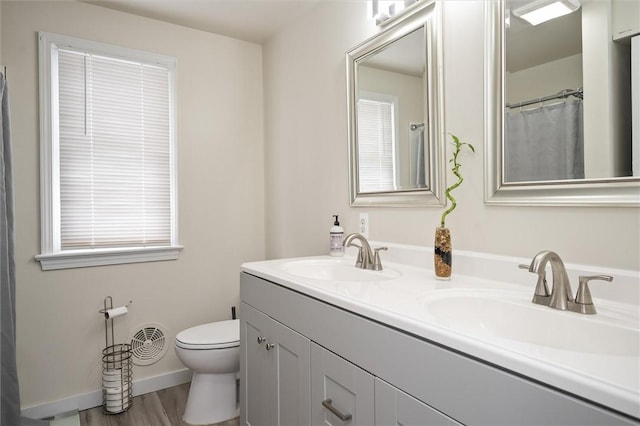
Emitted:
<point x="307" y="163"/>
<point x="221" y="197"/>
<point x="598" y="77"/>
<point x="544" y="79"/>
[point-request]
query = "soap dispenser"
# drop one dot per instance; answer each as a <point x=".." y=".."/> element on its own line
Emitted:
<point x="336" y="235"/>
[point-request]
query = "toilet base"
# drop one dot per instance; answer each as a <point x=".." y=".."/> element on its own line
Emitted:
<point x="212" y="399"/>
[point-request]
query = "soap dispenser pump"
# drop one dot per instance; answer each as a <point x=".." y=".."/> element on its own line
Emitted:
<point x="336" y="235"/>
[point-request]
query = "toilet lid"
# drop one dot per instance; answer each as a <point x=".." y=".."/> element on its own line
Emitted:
<point x="214" y="335"/>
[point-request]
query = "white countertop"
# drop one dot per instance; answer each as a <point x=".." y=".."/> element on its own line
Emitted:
<point x="610" y="380"/>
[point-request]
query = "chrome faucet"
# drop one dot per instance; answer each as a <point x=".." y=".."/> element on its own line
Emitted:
<point x="367" y="258"/>
<point x="561" y="296"/>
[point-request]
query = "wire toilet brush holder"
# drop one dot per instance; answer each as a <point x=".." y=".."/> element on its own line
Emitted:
<point x="116" y="368"/>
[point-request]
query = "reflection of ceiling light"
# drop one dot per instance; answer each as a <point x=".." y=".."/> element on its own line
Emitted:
<point x="541" y="11"/>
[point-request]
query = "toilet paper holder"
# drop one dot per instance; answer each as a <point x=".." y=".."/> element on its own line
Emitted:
<point x="116" y="364"/>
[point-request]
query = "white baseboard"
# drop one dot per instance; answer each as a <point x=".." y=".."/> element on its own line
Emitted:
<point x="94" y="399"/>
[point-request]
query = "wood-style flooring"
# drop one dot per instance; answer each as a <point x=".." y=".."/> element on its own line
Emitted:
<point x="161" y="408"/>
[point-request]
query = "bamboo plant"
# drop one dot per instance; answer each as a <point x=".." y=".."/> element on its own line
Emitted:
<point x="456" y="171"/>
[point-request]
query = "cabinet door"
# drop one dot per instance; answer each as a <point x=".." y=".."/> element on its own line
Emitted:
<point x="254" y="381"/>
<point x="394" y="407"/>
<point x="625" y="18"/>
<point x="290" y="371"/>
<point x="339" y="389"/>
<point x="274" y="372"/>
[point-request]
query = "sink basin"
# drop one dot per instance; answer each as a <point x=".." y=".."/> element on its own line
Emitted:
<point x="337" y="270"/>
<point x="496" y="315"/>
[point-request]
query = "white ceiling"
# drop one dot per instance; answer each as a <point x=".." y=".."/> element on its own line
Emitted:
<point x="402" y="56"/>
<point x="250" y="20"/>
<point x="529" y="45"/>
<point x="257" y="20"/>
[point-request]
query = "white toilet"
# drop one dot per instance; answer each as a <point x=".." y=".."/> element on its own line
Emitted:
<point x="212" y="351"/>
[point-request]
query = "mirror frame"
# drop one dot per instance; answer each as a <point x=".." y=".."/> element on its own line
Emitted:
<point x="422" y="14"/>
<point x="618" y="192"/>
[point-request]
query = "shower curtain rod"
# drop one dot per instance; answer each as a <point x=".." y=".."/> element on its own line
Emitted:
<point x="561" y="94"/>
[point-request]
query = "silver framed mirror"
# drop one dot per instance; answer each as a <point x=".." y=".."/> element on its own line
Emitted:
<point x="585" y="184"/>
<point x="395" y="113"/>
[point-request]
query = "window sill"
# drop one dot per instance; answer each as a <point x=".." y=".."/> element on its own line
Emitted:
<point x="86" y="258"/>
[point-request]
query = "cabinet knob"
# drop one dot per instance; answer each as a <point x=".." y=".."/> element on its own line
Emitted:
<point x="327" y="404"/>
<point x="269" y="346"/>
<point x="261" y="339"/>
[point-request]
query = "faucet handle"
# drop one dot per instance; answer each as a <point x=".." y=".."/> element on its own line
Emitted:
<point x="541" y="294"/>
<point x="377" y="264"/>
<point x="359" y="259"/>
<point x="583" y="296"/>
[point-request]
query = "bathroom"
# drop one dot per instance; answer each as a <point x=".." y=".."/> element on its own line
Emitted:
<point x="262" y="166"/>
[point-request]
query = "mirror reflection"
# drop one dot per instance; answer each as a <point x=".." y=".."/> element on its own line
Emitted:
<point x="593" y="60"/>
<point x="395" y="113"/>
<point x="390" y="113"/>
<point x="567" y="94"/>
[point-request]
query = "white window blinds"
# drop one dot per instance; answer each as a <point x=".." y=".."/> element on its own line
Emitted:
<point x="376" y="145"/>
<point x="114" y="152"/>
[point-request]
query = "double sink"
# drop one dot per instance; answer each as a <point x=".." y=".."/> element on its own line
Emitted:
<point x="485" y="311"/>
<point x="495" y="313"/>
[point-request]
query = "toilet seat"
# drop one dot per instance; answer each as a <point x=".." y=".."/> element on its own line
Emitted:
<point x="214" y="335"/>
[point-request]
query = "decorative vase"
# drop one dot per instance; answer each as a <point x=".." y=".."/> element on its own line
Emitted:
<point x="442" y="253"/>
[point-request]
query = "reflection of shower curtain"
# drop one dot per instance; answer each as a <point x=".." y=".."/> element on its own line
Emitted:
<point x="544" y="143"/>
<point x="420" y="171"/>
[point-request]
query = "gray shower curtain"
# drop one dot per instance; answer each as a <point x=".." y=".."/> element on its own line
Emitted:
<point x="9" y="390"/>
<point x="544" y="143"/>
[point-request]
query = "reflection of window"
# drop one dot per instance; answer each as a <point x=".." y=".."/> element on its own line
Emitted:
<point x="376" y="142"/>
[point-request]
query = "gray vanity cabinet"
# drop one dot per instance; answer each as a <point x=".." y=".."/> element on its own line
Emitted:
<point x="274" y="372"/>
<point x="394" y="407"/>
<point x="340" y="391"/>
<point x="362" y="399"/>
<point x="377" y="374"/>
<point x="358" y="398"/>
<point x="286" y="379"/>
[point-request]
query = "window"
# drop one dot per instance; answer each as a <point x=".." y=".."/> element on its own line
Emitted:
<point x="108" y="154"/>
<point x="376" y="142"/>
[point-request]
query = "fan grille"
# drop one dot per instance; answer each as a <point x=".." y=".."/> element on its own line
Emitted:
<point x="148" y="344"/>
